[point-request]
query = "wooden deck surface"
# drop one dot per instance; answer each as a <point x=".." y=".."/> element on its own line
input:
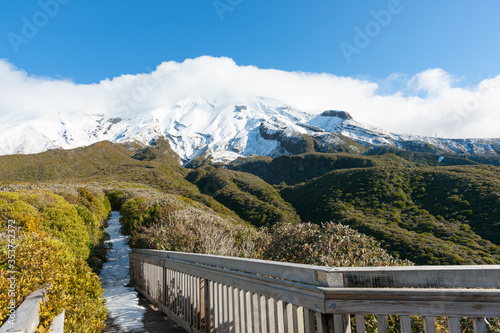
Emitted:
<point x="155" y="321"/>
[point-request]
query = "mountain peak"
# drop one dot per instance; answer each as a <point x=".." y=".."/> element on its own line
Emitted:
<point x="336" y="113"/>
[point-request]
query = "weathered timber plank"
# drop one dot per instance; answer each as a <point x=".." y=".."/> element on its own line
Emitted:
<point x="26" y="315"/>
<point x="237" y="311"/>
<point x="280" y="316"/>
<point x="338" y="323"/>
<point x="249" y="311"/>
<point x="300" y="320"/>
<point x="476" y="276"/>
<point x="360" y="324"/>
<point x="406" y="324"/>
<point x="213" y="301"/>
<point x="287" y="271"/>
<point x="479" y="325"/>
<point x="382" y="323"/>
<point x="243" y="319"/>
<point x="424" y="302"/>
<point x="255" y="313"/>
<point x="413" y="294"/>
<point x="57" y="325"/>
<point x="273" y="323"/>
<point x="264" y="314"/>
<point x="231" y="309"/>
<point x="219" y="308"/>
<point x="429" y="324"/>
<point x="421" y="308"/>
<point x="310" y="321"/>
<point x="224" y="309"/>
<point x="453" y="324"/>
<point x="290" y="323"/>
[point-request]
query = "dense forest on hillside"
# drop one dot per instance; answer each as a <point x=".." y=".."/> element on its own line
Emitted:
<point x="339" y="209"/>
<point x="444" y="216"/>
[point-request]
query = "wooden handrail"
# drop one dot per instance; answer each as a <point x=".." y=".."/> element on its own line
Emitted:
<point x="287" y="271"/>
<point x="470" y="276"/>
<point x="26" y="316"/>
<point x="412" y="301"/>
<point x="207" y="293"/>
<point x="57" y="325"/>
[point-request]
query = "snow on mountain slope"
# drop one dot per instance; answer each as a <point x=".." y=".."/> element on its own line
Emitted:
<point x="342" y="123"/>
<point x="224" y="129"/>
<point x="221" y="128"/>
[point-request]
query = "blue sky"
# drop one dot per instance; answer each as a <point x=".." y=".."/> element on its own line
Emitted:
<point x="87" y="41"/>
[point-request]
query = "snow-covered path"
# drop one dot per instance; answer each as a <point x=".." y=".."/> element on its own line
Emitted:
<point x="122" y="302"/>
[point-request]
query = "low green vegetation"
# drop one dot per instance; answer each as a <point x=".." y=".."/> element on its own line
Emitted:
<point x="59" y="241"/>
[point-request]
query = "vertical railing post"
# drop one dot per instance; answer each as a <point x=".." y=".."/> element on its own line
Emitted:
<point x="205" y="306"/>
<point x="342" y="323"/>
<point x="131" y="270"/>
<point x="322" y="323"/>
<point x="330" y="323"/>
<point x="165" y="288"/>
<point x="479" y="325"/>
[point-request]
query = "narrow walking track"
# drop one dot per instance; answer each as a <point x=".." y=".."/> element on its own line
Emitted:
<point x="128" y="311"/>
<point x="122" y="301"/>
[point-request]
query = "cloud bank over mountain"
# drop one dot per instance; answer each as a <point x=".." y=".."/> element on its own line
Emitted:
<point x="428" y="103"/>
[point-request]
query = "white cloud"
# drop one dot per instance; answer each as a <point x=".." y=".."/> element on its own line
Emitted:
<point x="426" y="103"/>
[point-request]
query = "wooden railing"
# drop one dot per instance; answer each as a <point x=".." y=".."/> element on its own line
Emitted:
<point x="26" y="317"/>
<point x="207" y="294"/>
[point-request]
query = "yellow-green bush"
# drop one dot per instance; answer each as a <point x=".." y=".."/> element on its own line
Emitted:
<point x="42" y="260"/>
<point x="94" y="208"/>
<point x="59" y="233"/>
<point x="76" y="219"/>
<point x="47" y="212"/>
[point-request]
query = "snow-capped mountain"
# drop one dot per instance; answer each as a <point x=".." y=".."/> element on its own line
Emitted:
<point x="224" y="129"/>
